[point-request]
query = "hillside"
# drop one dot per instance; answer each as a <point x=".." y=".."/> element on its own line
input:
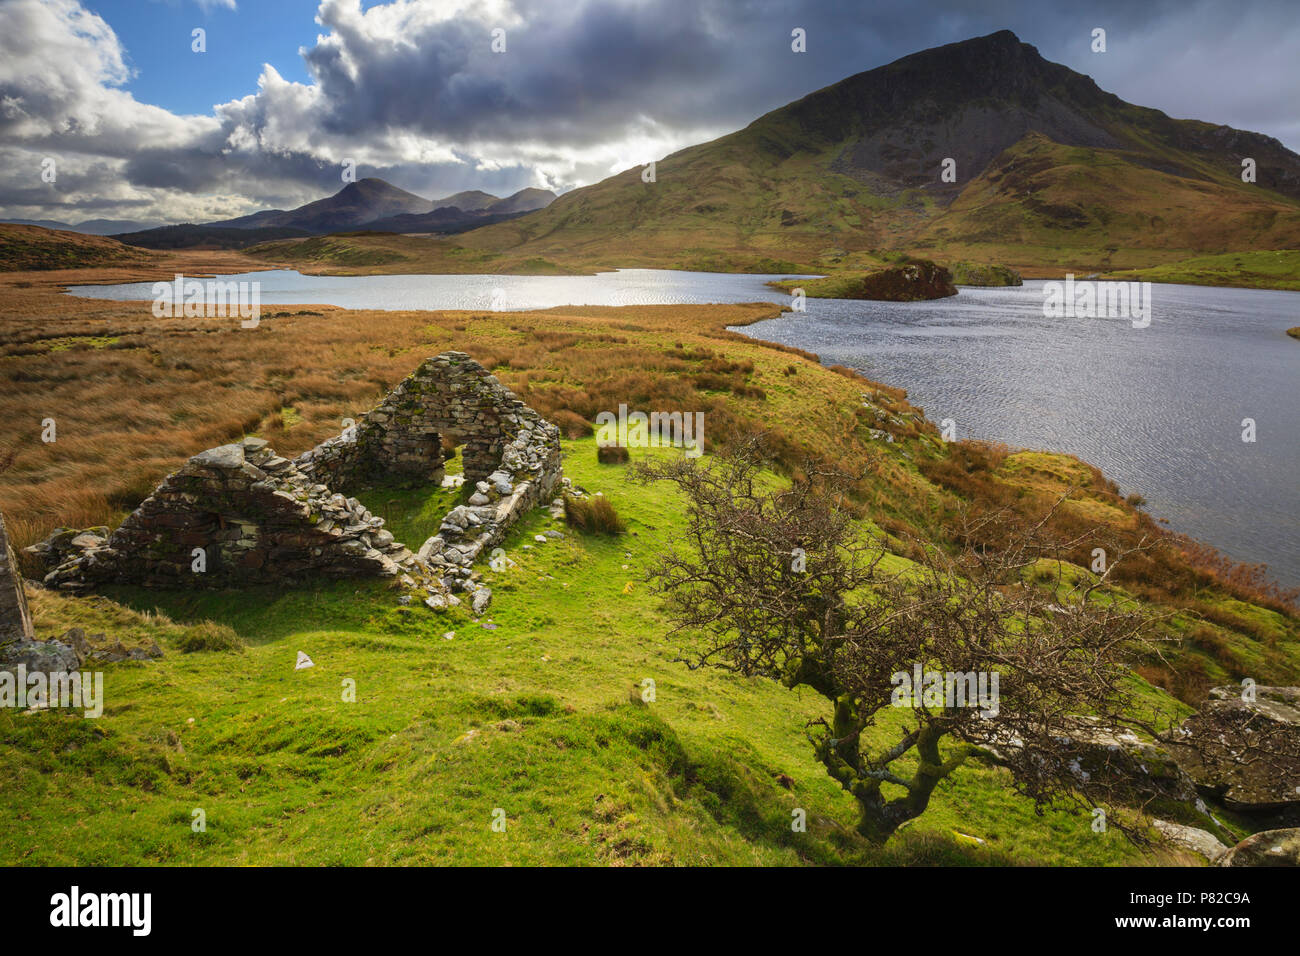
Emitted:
<point x="371" y="253"/>
<point x="1273" y="269"/>
<point x="526" y="200"/>
<point x="1050" y="171"/>
<point x="529" y="707"/>
<point x="91" y="227"/>
<point x="466" y="201"/>
<point x="34" y="247"/>
<point x="191" y="236"/>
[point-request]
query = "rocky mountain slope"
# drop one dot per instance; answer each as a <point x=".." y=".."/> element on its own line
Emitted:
<point x="1046" y="167"/>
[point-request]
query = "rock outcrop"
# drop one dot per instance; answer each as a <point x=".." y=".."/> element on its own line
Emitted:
<point x="1192" y="838"/>
<point x="914" y="280"/>
<point x="240" y="514"/>
<point x="1245" y="752"/>
<point x="1110" y="762"/>
<point x="1266" y="848"/>
<point x="1117" y="762"/>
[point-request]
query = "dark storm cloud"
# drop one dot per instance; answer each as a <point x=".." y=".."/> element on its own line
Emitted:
<point x="570" y="73"/>
<point x="580" y="73"/>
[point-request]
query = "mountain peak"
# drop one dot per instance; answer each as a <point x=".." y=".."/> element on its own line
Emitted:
<point x="967" y="101"/>
<point x="975" y="141"/>
<point x="371" y="188"/>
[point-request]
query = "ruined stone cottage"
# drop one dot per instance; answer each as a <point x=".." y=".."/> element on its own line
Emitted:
<point x="240" y="514"/>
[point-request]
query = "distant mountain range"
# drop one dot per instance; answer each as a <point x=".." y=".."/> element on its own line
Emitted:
<point x="368" y="205"/>
<point x="1047" y="168"/>
<point x="90" y="227"/>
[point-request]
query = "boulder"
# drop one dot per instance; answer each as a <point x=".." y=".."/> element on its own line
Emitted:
<point x="1191" y="838"/>
<point x="1126" y="766"/>
<point x="1266" y="848"/>
<point x="1245" y="753"/>
<point x="45" y="657"/>
<point x="1112" y="763"/>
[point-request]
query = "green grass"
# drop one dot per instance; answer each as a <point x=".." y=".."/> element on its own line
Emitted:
<point x="414" y="514"/>
<point x="539" y="716"/>
<point x="1277" y="269"/>
<point x="970" y="273"/>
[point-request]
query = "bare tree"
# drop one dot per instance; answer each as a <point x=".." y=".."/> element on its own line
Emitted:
<point x="780" y="581"/>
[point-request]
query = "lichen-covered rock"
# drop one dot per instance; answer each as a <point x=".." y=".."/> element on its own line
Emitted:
<point x="1110" y="763"/>
<point x="43" y="657"/>
<point x="1245" y="752"/>
<point x="1191" y="838"/>
<point x="1125" y="766"/>
<point x="65" y="543"/>
<point x="1266" y="848"/>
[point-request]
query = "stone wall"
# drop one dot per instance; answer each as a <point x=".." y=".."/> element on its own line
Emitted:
<point x="253" y="515"/>
<point x="528" y="476"/>
<point x="400" y="440"/>
<point x="259" y="518"/>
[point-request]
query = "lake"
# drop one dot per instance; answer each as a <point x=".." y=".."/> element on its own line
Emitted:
<point x="1159" y="409"/>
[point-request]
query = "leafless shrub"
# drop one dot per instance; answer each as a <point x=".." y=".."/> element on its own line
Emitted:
<point x="781" y="582"/>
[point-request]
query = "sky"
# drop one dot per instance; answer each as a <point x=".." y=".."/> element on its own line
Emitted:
<point x="140" y="125"/>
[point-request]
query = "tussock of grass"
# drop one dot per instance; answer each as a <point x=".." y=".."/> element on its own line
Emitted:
<point x="593" y="515"/>
<point x="572" y="424"/>
<point x="208" y="636"/>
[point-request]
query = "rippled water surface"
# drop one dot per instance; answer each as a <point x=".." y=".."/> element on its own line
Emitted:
<point x="624" y="287"/>
<point x="1159" y="409"/>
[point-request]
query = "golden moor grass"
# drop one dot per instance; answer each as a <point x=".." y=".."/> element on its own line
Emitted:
<point x="132" y="397"/>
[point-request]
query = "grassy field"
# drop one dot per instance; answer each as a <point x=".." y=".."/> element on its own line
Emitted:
<point x="1278" y="269"/>
<point x="381" y="253"/>
<point x="539" y="715"/>
<point x="534" y="709"/>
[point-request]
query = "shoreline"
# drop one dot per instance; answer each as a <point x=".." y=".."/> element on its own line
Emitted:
<point x="202" y="267"/>
<point x="196" y="265"/>
<point x="1165" y="523"/>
